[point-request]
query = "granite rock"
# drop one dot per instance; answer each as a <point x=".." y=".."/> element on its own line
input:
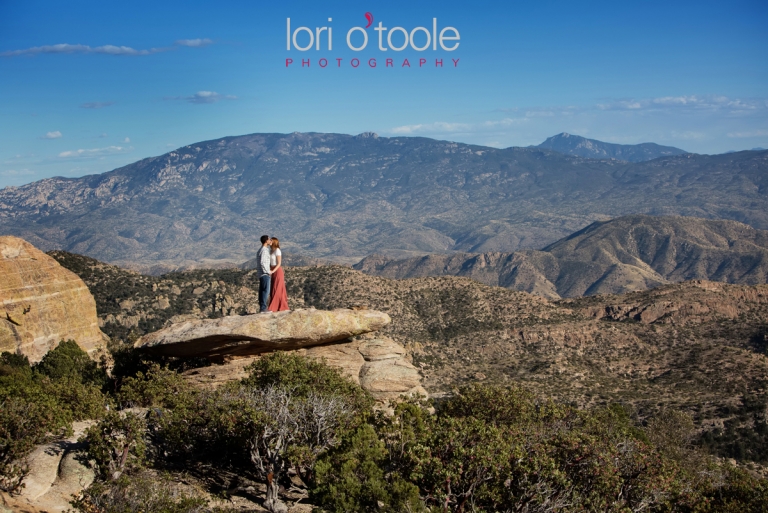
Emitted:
<point x="55" y="473"/>
<point x="377" y="363"/>
<point x="42" y="303"/>
<point x="244" y="335"/>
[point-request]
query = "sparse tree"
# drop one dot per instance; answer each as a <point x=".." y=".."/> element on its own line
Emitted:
<point x="290" y="430"/>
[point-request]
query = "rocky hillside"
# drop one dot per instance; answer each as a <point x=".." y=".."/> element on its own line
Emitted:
<point x="697" y="346"/>
<point x="622" y="255"/>
<point x="582" y="147"/>
<point x="208" y="203"/>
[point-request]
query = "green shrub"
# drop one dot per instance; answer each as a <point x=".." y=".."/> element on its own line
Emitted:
<point x="285" y="414"/>
<point x="23" y="424"/>
<point x="494" y="449"/>
<point x="157" y="387"/>
<point x="139" y="492"/>
<point x="67" y="360"/>
<point x="37" y="408"/>
<point x="11" y="364"/>
<point x="39" y="404"/>
<point x="128" y="362"/>
<point x="304" y="376"/>
<point x="117" y="443"/>
<point x="353" y="478"/>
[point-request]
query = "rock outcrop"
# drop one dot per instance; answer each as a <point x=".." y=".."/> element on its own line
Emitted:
<point x="375" y="362"/>
<point x="42" y="303"/>
<point x="243" y="335"/>
<point x="56" y="474"/>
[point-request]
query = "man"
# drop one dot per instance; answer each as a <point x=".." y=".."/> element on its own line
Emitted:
<point x="264" y="273"/>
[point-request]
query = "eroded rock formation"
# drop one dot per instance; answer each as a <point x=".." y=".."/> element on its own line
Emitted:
<point x="56" y="473"/>
<point x="375" y="362"/>
<point x="42" y="303"/>
<point x="243" y="335"/>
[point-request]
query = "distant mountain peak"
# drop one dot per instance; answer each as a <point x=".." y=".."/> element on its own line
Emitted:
<point x="576" y="145"/>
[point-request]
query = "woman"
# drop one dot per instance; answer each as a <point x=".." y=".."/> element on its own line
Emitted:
<point x="279" y="297"/>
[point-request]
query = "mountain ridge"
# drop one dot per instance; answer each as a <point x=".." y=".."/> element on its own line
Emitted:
<point x="341" y="197"/>
<point x="614" y="257"/>
<point x="576" y="145"/>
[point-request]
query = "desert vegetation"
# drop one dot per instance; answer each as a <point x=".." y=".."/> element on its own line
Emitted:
<point x="296" y="430"/>
<point x="649" y="401"/>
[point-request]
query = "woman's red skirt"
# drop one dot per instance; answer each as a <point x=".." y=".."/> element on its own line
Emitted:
<point x="279" y="297"/>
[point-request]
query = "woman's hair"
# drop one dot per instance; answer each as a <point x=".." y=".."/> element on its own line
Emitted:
<point x="275" y="243"/>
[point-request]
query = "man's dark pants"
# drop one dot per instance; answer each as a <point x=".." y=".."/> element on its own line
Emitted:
<point x="264" y="283"/>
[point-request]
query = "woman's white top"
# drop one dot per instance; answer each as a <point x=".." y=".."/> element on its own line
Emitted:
<point x="273" y="254"/>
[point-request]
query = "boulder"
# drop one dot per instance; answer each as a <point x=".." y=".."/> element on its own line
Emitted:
<point x="56" y="474"/>
<point x="42" y="303"/>
<point x="386" y="373"/>
<point x="243" y="335"/>
<point x="375" y="362"/>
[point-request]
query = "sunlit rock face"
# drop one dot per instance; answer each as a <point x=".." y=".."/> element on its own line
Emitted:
<point x="242" y="335"/>
<point x="42" y="303"/>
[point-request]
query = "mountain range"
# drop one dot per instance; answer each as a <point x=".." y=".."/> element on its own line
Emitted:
<point x="342" y="197"/>
<point x="615" y="257"/>
<point x="570" y="144"/>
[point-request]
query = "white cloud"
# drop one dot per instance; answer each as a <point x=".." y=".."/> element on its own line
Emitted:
<point x="96" y="105"/>
<point x="103" y="49"/>
<point x="691" y="102"/>
<point x="52" y="135"/>
<point x="438" y="126"/>
<point x="94" y="152"/>
<point x="16" y="172"/>
<point x="68" y="48"/>
<point x="744" y="135"/>
<point x="202" y="97"/>
<point x="127" y="140"/>
<point x="688" y="135"/>
<point x="503" y="122"/>
<point x="443" y="127"/>
<point x="194" y="43"/>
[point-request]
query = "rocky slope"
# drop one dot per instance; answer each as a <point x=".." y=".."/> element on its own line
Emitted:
<point x="697" y="346"/>
<point x="622" y="255"/>
<point x="570" y="144"/>
<point x="42" y="303"/>
<point x="208" y="203"/>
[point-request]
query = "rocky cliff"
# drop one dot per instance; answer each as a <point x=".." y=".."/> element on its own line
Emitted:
<point x="42" y="303"/>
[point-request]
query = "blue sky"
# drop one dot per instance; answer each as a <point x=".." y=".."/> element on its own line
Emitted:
<point x="86" y="87"/>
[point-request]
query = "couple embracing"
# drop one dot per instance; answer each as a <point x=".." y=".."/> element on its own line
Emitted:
<point x="269" y="268"/>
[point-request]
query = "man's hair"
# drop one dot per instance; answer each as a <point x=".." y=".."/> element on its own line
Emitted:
<point x="264" y="239"/>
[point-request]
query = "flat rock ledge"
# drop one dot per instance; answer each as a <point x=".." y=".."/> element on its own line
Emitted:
<point x="249" y="335"/>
